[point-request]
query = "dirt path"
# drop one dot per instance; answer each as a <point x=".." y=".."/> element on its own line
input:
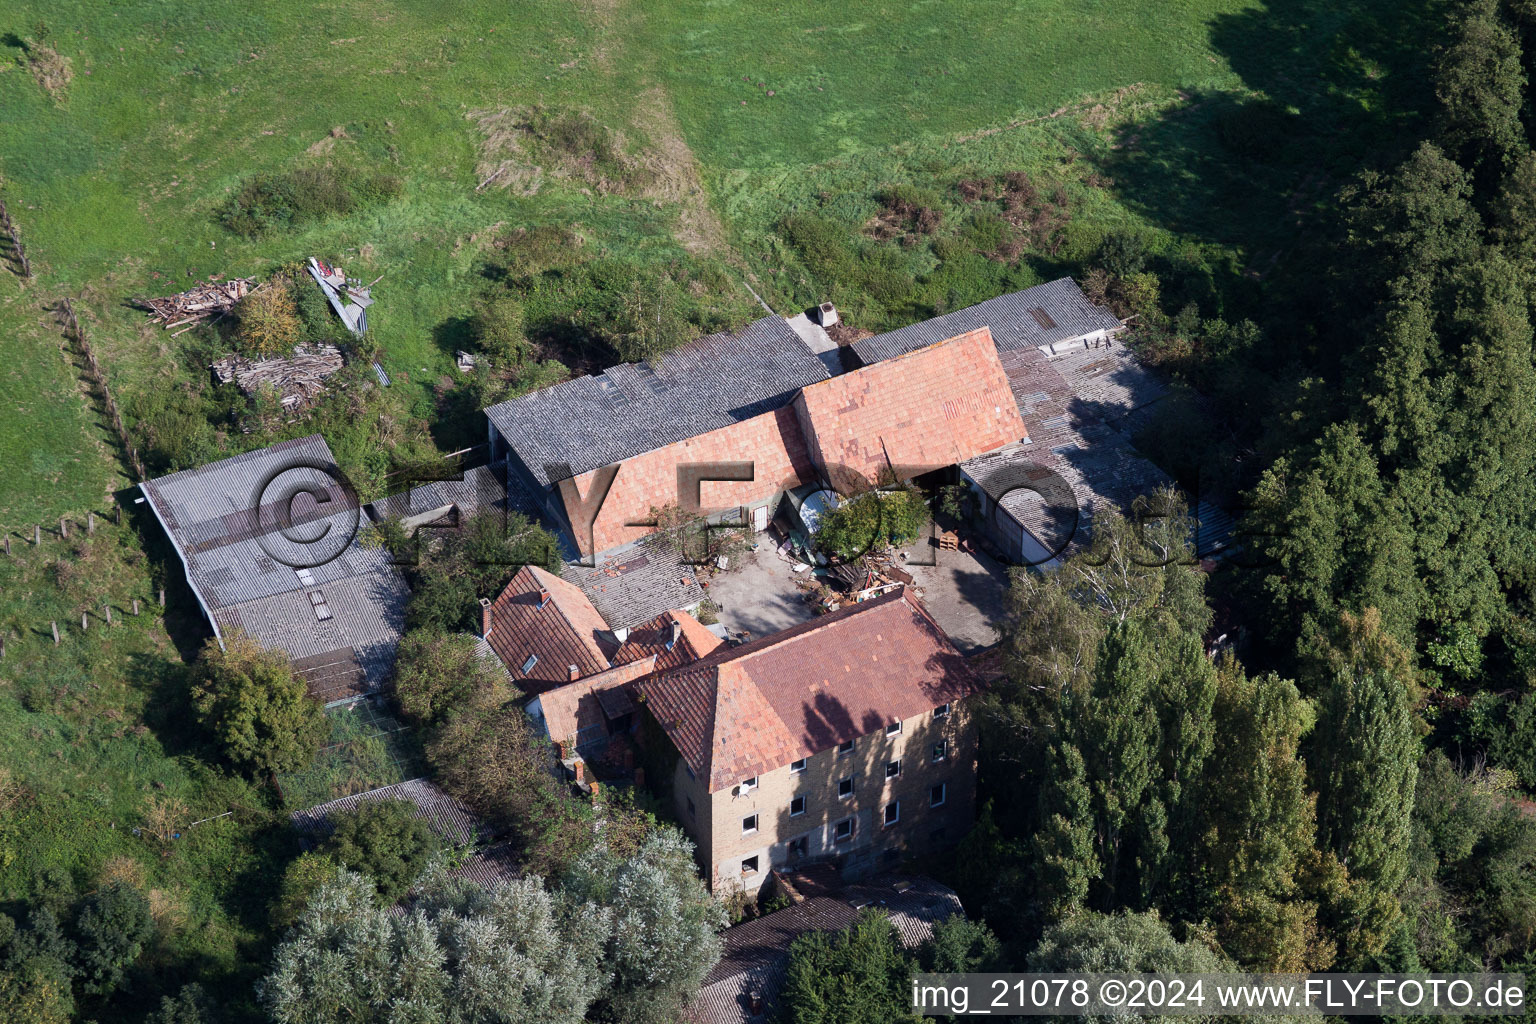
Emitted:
<point x="678" y="177"/>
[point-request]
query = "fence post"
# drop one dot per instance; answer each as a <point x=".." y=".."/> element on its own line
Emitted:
<point x="7" y="543"/>
<point x="106" y="609"/>
<point x="162" y="597"/>
<point x="85" y="621"/>
<point x="63" y="527"/>
<point x="135" y="606"/>
<point x="37" y="536"/>
<point x="55" y="626"/>
<point x="90" y="523"/>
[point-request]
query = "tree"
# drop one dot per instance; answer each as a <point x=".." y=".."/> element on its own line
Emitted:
<point x="268" y="319"/>
<point x="1259" y="855"/>
<point x="302" y="878"/>
<point x="1122" y="943"/>
<point x="385" y="840"/>
<point x="456" y="568"/>
<point x="36" y="970"/>
<point x="439" y="673"/>
<point x="961" y="946"/>
<point x="111" y="928"/>
<point x="255" y="707"/>
<point x="693" y="537"/>
<point x="1365" y="762"/>
<point x="871" y="520"/>
<point x="463" y="955"/>
<point x="1480" y="82"/>
<point x="665" y="925"/>
<point x="857" y="976"/>
<point x="190" y="1005"/>
<point x="650" y="318"/>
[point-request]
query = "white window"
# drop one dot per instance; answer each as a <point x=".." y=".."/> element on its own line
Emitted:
<point x="796" y="767"/>
<point x="533" y="659"/>
<point x="937" y="795"/>
<point x="893" y="812"/>
<point x="844" y="749"/>
<point x="894" y="729"/>
<point x="305" y="577"/>
<point x="842" y="831"/>
<point x="747" y="784"/>
<point x="797" y="807"/>
<point x="749" y="824"/>
<point x="749" y="866"/>
<point x="942" y="711"/>
<point x="892" y="769"/>
<point x="940" y="751"/>
<point x="845" y="788"/>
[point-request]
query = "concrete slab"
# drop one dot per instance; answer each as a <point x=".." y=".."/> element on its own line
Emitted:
<point x="967" y="594"/>
<point x="758" y="595"/>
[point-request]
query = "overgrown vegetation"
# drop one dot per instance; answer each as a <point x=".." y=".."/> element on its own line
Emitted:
<point x="258" y="711"/>
<point x="873" y="520"/>
<point x="271" y="202"/>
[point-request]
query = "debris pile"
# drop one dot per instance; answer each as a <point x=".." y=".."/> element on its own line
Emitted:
<point x="298" y="379"/>
<point x="197" y="304"/>
<point x="348" y="297"/>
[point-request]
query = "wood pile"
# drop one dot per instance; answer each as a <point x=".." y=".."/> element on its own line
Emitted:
<point x="195" y="305"/>
<point x="299" y="379"/>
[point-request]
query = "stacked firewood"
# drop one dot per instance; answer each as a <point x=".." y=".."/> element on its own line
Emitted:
<point x="197" y="304"/>
<point x="298" y="379"/>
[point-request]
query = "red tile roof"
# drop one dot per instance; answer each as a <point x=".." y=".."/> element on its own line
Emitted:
<point x="654" y="639"/>
<point x="574" y="712"/>
<point x="566" y="630"/>
<point x="747" y="710"/>
<point x="933" y="407"/>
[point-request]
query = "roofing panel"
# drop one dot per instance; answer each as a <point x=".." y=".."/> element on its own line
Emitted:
<point x="1011" y="318"/>
<point x="589" y="422"/>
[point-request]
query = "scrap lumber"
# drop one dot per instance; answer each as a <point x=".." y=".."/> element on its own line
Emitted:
<point x="299" y="379"/>
<point x="197" y="304"/>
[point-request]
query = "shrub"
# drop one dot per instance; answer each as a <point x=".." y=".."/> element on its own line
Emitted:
<point x="271" y="201"/>
<point x="111" y="929"/>
<point x="873" y="519"/>
<point x="439" y="673"/>
<point x="268" y="319"/>
<point x="301" y="880"/>
<point x="260" y="713"/>
<point x="385" y="840"/>
<point x="497" y="329"/>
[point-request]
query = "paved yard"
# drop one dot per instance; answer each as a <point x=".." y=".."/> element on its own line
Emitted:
<point x="758" y="595"/>
<point x="966" y="594"/>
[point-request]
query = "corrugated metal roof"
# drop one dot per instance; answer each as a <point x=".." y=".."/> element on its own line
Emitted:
<point x="595" y="421"/>
<point x="445" y="815"/>
<point x="241" y="565"/>
<point x="757" y="952"/>
<point x="1011" y="318"/>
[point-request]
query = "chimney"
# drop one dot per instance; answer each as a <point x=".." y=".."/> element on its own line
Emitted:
<point x="677" y="631"/>
<point x="575" y="673"/>
<point x="543" y="596"/>
<point x="579" y="768"/>
<point x="485" y="617"/>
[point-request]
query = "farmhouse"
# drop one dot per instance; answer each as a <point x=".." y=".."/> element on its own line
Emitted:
<point x="761" y="408"/>
<point x="272" y="545"/>
<point x="846" y="739"/>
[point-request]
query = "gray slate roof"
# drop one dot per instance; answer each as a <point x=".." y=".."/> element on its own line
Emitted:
<point x="636" y="585"/>
<point x="442" y="813"/>
<point x="756" y="953"/>
<point x="634" y="408"/>
<point x="240" y="564"/>
<point x="1008" y="316"/>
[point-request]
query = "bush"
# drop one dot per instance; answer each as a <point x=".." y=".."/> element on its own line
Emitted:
<point x="385" y="840"/>
<point x="439" y="673"/>
<point x="301" y="880"/>
<point x="110" y="931"/>
<point x="268" y="320"/>
<point x="497" y="329"/>
<point x="476" y="560"/>
<point x="873" y="519"/>
<point x="260" y="713"/>
<point x="269" y="202"/>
